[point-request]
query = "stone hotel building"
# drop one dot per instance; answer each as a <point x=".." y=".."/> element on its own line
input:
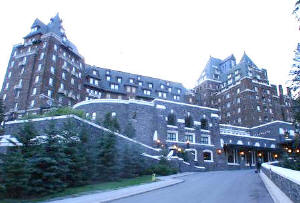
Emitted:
<point x="230" y="119"/>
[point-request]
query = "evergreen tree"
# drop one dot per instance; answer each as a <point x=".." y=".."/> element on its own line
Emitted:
<point x="77" y="168"/>
<point x="15" y="173"/>
<point x="50" y="165"/>
<point x="107" y="152"/>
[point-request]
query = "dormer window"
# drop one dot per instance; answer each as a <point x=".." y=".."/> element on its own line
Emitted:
<point x="179" y="91"/>
<point x="107" y="72"/>
<point x="150" y="85"/>
<point x="140" y="83"/>
<point x="162" y="86"/>
<point x="34" y="29"/>
<point x="64" y="39"/>
<point x="119" y="80"/>
<point x="108" y="78"/>
<point x="169" y="89"/>
<point x="94" y="72"/>
<point x="139" y="78"/>
<point x="130" y="80"/>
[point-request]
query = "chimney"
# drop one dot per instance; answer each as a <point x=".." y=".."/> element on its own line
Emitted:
<point x="288" y="91"/>
<point x="280" y="90"/>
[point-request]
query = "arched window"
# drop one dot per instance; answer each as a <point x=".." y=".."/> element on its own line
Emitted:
<point x="208" y="156"/>
<point x="171" y="119"/>
<point x="189" y="123"/>
<point x="204" y="124"/>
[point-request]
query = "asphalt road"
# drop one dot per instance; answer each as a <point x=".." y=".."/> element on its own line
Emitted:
<point x="240" y="186"/>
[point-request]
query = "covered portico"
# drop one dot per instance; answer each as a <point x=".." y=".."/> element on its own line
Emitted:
<point x="247" y="156"/>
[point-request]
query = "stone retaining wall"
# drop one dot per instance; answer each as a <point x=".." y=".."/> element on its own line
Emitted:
<point x="290" y="188"/>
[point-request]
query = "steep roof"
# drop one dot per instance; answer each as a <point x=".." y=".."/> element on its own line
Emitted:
<point x="246" y="59"/>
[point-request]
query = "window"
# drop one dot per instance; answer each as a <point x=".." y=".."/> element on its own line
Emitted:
<point x="91" y="81"/>
<point x="34" y="91"/>
<point x="172" y="136"/>
<point x="18" y="94"/>
<point x="133" y="89"/>
<point x="228" y="114"/>
<point x="32" y="103"/>
<point x="169" y="89"/>
<point x="258" y="108"/>
<point x="147" y="92"/>
<point x="239" y="110"/>
<point x="255" y="89"/>
<point x="268" y="91"/>
<point x="189" y="123"/>
<point x="36" y="79"/>
<point x="52" y="70"/>
<point x="61" y="86"/>
<point x="204" y="140"/>
<point x="227" y="96"/>
<point x="50" y="81"/>
<point x="72" y="81"/>
<point x="128" y="89"/>
<point x="94" y="72"/>
<point x="228" y="105"/>
<point x="42" y="56"/>
<point x="140" y="83"/>
<point x="119" y="80"/>
<point x="63" y="75"/>
<point x="176" y="97"/>
<point x="239" y="120"/>
<point x="22" y="71"/>
<point x="164" y="95"/>
<point x="207" y="155"/>
<point x="94" y="116"/>
<point x="55" y="47"/>
<point x="79" y="75"/>
<point x="12" y="63"/>
<point x="49" y="93"/>
<point x="4" y="96"/>
<point x="179" y="91"/>
<point x="238" y="100"/>
<point x="40" y="67"/>
<point x="108" y="96"/>
<point x="150" y="85"/>
<point x="96" y="82"/>
<point x="130" y="80"/>
<point x="204" y="124"/>
<point x="171" y="119"/>
<point x="162" y="86"/>
<point x="9" y="75"/>
<point x="238" y="90"/>
<point x="189" y="137"/>
<point x="16" y="106"/>
<point x="114" y="86"/>
<point x="108" y="78"/>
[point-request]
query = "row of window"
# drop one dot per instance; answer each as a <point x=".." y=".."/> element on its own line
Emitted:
<point x="173" y="136"/>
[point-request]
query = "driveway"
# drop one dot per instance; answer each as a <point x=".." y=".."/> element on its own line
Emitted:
<point x="240" y="186"/>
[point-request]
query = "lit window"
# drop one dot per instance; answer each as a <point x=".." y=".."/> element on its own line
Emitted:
<point x="49" y="93"/>
<point x="9" y="74"/>
<point x="238" y="100"/>
<point x="42" y="56"/>
<point x="169" y="89"/>
<point x="72" y="81"/>
<point x="63" y="75"/>
<point x="131" y="80"/>
<point x="61" y="86"/>
<point x="55" y="47"/>
<point x="160" y="94"/>
<point x="91" y="81"/>
<point x="114" y="86"/>
<point x="258" y="108"/>
<point x="50" y="81"/>
<point x="12" y="64"/>
<point x="96" y="82"/>
<point x="133" y="89"/>
<point x="140" y="83"/>
<point x="239" y="120"/>
<point x="119" y="80"/>
<point x="94" y="72"/>
<point x="207" y="155"/>
<point x="4" y="96"/>
<point x="40" y="67"/>
<point x="34" y="91"/>
<point x="32" y="103"/>
<point x="164" y="95"/>
<point x="179" y="91"/>
<point x="238" y="90"/>
<point x="128" y="89"/>
<point x="150" y="85"/>
<point x="108" y="78"/>
<point x="52" y="69"/>
<point x="162" y="86"/>
<point x="147" y="92"/>
<point x="37" y="79"/>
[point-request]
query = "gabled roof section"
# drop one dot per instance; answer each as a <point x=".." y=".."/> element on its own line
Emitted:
<point x="55" y="26"/>
<point x="231" y="57"/>
<point x="246" y="59"/>
<point x="38" y="23"/>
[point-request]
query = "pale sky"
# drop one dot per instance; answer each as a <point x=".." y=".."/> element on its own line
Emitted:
<point x="171" y="40"/>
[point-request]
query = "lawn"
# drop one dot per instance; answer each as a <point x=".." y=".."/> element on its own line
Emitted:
<point x="76" y="191"/>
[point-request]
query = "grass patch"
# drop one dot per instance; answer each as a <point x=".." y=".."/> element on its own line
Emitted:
<point x="76" y="191"/>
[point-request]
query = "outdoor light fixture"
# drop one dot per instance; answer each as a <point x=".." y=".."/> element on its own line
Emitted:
<point x="219" y="151"/>
<point x="297" y="150"/>
<point x="242" y="153"/>
<point x="179" y="149"/>
<point x="158" y="141"/>
<point x="289" y="150"/>
<point x="275" y="155"/>
<point x="259" y="154"/>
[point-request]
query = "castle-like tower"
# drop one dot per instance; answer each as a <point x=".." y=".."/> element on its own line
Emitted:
<point x="44" y="71"/>
<point x="241" y="91"/>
